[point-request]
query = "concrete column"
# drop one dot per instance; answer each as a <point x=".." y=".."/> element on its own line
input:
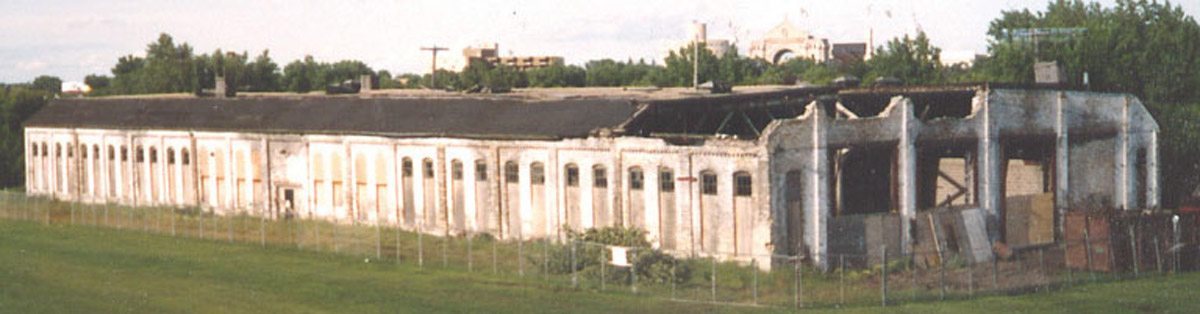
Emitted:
<point x="1125" y="194"/>
<point x="991" y="158"/>
<point x="1062" y="165"/>
<point x="907" y="155"/>
<point x="373" y="185"/>
<point x="818" y="206"/>
<point x="1151" y="146"/>
<point x="349" y="182"/>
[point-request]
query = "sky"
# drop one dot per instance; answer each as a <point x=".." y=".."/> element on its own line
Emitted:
<point x="73" y="38"/>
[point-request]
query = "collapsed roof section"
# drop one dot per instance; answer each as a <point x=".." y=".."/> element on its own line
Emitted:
<point x="677" y="116"/>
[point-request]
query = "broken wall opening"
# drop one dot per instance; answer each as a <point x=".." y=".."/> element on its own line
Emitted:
<point x="865" y="179"/>
<point x="1028" y="205"/>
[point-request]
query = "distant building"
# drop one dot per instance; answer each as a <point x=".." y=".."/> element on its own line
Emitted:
<point x="491" y="55"/>
<point x="786" y="41"/>
<point x="849" y="52"/>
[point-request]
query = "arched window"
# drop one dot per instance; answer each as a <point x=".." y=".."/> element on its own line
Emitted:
<point x="111" y="153"/>
<point x="406" y="167"/>
<point x="636" y="179"/>
<point x="708" y="182"/>
<point x="170" y="156"/>
<point x="599" y="176"/>
<point x="186" y="158"/>
<point x="456" y="169"/>
<point x="45" y="152"/>
<point x="572" y="175"/>
<point x="537" y="173"/>
<point x="140" y="156"/>
<point x="512" y="172"/>
<point x="57" y="150"/>
<point x="666" y="180"/>
<point x="153" y="155"/>
<point x="124" y="153"/>
<point x="95" y="151"/>
<point x="427" y="167"/>
<point x="742" y="185"/>
<point x="83" y="152"/>
<point x="34" y="149"/>
<point x="480" y="170"/>
<point x="70" y="151"/>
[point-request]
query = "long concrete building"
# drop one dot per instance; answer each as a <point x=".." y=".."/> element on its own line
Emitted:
<point x="759" y="172"/>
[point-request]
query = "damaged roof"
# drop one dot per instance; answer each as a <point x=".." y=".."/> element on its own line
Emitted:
<point x="399" y="117"/>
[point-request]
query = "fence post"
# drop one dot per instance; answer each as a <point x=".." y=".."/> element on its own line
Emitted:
<point x="602" y="267"/>
<point x="575" y="271"/>
<point x="942" y="262"/>
<point x="995" y="272"/>
<point x="633" y="271"/>
<point x="1134" y="251"/>
<point x="1175" y="244"/>
<point x="842" y="279"/>
<point x="1158" y="256"/>
<point x="1087" y="246"/>
<point x="420" y="246"/>
<point x="1042" y="267"/>
<point x="883" y="278"/>
<point x="520" y="257"/>
<point x="713" y="281"/>
<point x="470" y="249"/>
<point x="799" y="299"/>
<point x="379" y="238"/>
<point x="754" y="268"/>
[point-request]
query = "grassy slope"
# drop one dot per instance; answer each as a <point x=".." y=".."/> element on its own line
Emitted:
<point x="82" y="270"/>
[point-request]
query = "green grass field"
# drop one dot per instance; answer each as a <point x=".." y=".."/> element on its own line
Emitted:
<point x="78" y="269"/>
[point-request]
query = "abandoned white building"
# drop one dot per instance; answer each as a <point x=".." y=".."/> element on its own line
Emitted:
<point x="761" y="171"/>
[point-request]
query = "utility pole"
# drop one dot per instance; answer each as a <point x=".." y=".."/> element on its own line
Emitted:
<point x="433" y="73"/>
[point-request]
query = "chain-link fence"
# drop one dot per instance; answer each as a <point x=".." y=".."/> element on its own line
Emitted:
<point x="882" y="278"/>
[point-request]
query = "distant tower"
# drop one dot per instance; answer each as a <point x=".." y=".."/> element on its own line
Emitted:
<point x="699" y="32"/>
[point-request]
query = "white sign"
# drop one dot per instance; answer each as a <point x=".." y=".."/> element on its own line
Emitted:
<point x="620" y="256"/>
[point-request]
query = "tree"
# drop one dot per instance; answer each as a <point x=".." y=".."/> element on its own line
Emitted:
<point x="680" y="65"/>
<point x="49" y="84"/>
<point x="913" y="60"/>
<point x="263" y="74"/>
<point x="557" y="75"/>
<point x="299" y="75"/>
<point x="97" y="82"/>
<point x="16" y="105"/>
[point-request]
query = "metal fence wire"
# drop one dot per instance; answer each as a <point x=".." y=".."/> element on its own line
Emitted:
<point x="885" y="277"/>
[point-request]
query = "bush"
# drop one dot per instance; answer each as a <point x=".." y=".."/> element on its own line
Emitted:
<point x="591" y="249"/>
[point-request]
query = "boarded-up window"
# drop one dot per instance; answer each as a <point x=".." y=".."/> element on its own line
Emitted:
<point x="708" y="183"/>
<point x="572" y="175"/>
<point x="742" y="184"/>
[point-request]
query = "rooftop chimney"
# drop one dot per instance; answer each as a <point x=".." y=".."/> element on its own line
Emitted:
<point x="367" y="83"/>
<point x="219" y="87"/>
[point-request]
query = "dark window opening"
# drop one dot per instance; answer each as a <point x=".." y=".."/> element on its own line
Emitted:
<point x="124" y="154"/>
<point x="141" y="155"/>
<point x="153" y="155"/>
<point x="537" y="173"/>
<point x="742" y="184"/>
<point x="635" y="179"/>
<point x="83" y="152"/>
<point x="456" y="170"/>
<point x="406" y="167"/>
<point x="666" y="180"/>
<point x="96" y="151"/>
<point x="34" y="150"/>
<point x="45" y="152"/>
<point x="70" y="151"/>
<point x="480" y="170"/>
<point x="427" y="166"/>
<point x="57" y="150"/>
<point x="187" y="159"/>
<point x="170" y="156"/>
<point x="599" y="177"/>
<point x="111" y="153"/>
<point x="708" y="183"/>
<point x="512" y="173"/>
<point x="572" y="175"/>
